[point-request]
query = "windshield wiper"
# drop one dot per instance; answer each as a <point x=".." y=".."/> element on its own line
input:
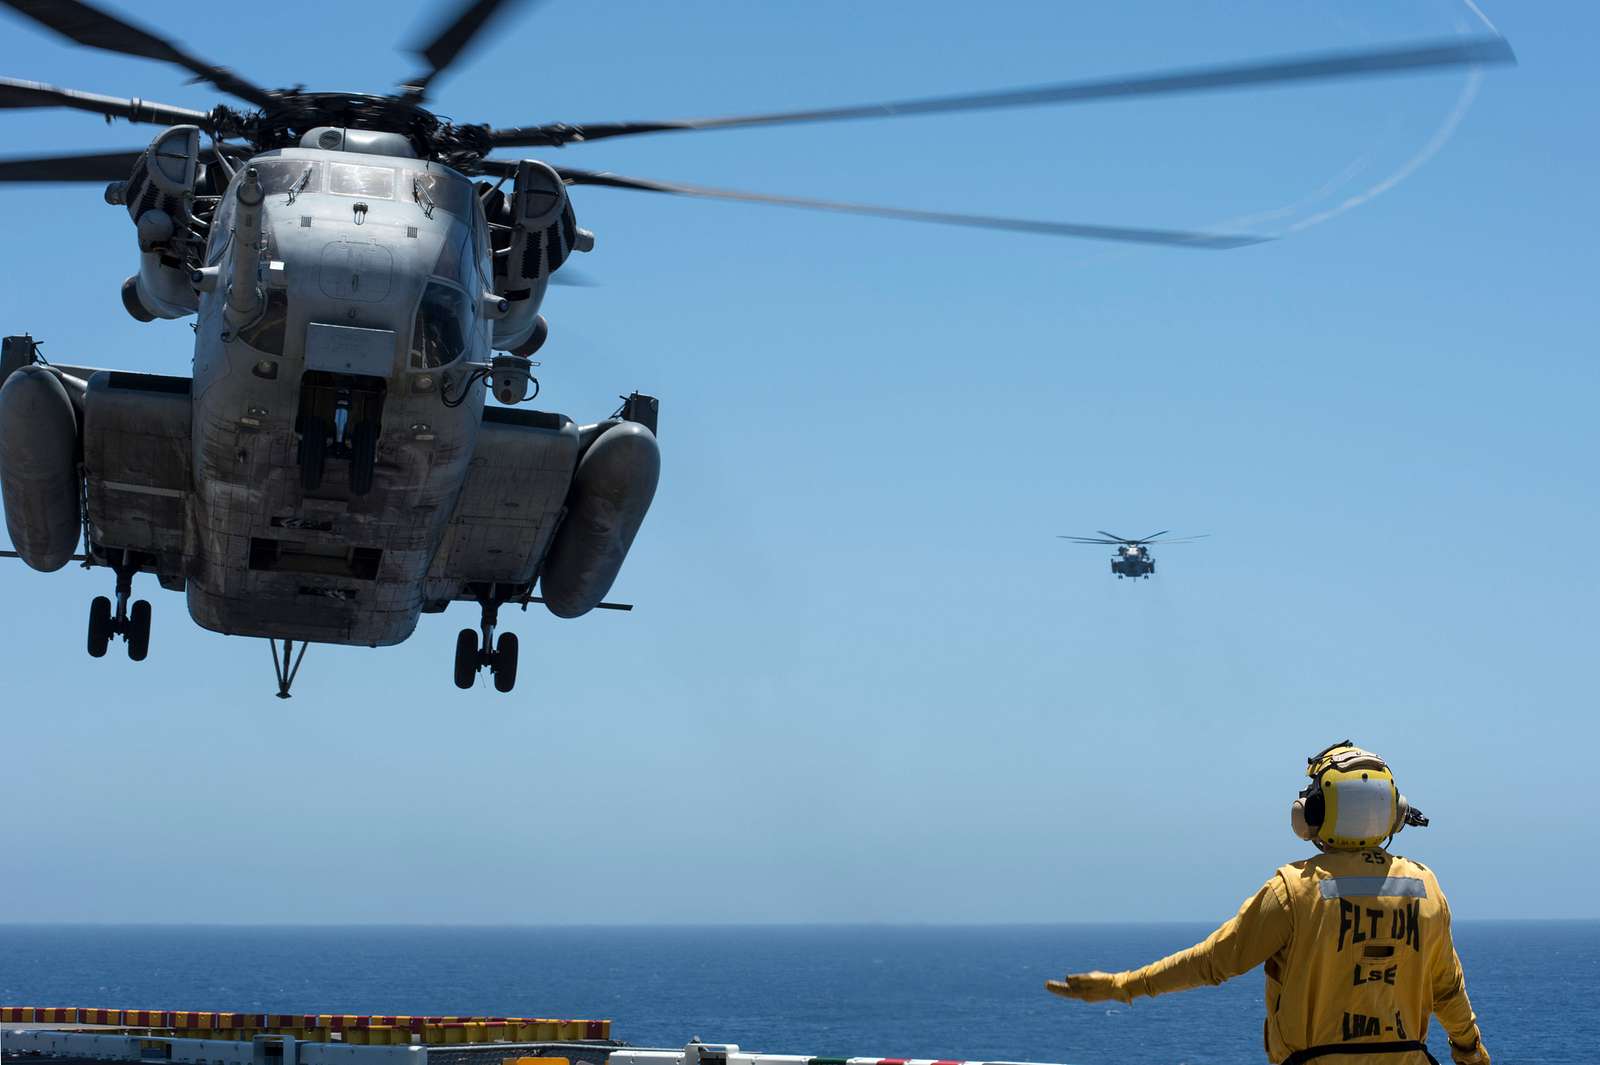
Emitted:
<point x="294" y="190"/>
<point x="420" y="195"/>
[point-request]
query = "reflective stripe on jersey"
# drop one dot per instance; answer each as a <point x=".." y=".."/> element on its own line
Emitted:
<point x="1375" y="887"/>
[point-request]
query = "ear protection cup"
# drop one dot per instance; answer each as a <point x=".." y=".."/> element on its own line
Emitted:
<point x="1307" y="812"/>
<point x="1297" y="820"/>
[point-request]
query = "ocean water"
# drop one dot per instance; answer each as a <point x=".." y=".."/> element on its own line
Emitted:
<point x="940" y="992"/>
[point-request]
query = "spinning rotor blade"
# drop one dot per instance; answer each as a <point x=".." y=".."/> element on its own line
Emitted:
<point x="567" y="277"/>
<point x="1179" y="539"/>
<point x="1115" y="538"/>
<point x="1152" y="536"/>
<point x="1173" y="237"/>
<point x="94" y="166"/>
<point x="89" y="25"/>
<point x="1461" y="52"/>
<point x="1088" y="539"/>
<point x="451" y="39"/>
<point x="14" y="93"/>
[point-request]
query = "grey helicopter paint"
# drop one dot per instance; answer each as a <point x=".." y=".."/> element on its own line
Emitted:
<point x="1133" y="558"/>
<point x="332" y="468"/>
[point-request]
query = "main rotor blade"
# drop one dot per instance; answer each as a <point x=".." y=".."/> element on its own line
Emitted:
<point x="1088" y="539"/>
<point x="451" y="38"/>
<point x="91" y="26"/>
<point x="94" y="166"/>
<point x="1170" y="237"/>
<point x="1152" y="536"/>
<point x="1180" y="539"/>
<point x="1114" y="536"/>
<point x="570" y="278"/>
<point x="15" y="93"/>
<point x="1346" y="64"/>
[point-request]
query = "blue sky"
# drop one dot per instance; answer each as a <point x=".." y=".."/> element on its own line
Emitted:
<point x="864" y="681"/>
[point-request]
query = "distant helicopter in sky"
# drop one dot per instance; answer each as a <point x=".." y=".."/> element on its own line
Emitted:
<point x="1133" y="558"/>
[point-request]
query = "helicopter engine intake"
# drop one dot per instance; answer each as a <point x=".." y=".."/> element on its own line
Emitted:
<point x="545" y="233"/>
<point x="159" y="196"/>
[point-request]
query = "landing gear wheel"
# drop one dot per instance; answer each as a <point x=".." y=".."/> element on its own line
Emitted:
<point x="139" y="630"/>
<point x="313" y="452"/>
<point x="466" y="658"/>
<point x="504" y="664"/>
<point x="99" y="626"/>
<point x="363" y="458"/>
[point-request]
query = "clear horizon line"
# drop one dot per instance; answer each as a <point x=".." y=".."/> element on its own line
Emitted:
<point x="503" y="925"/>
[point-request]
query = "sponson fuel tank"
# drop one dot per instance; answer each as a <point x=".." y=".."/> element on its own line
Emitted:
<point x="39" y="467"/>
<point x="611" y="490"/>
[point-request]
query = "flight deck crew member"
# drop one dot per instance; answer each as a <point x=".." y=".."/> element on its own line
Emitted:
<point x="1356" y="941"/>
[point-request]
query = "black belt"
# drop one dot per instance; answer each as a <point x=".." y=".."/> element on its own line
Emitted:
<point x="1300" y="1057"/>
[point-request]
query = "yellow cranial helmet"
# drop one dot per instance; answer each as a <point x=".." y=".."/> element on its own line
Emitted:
<point x="1352" y="802"/>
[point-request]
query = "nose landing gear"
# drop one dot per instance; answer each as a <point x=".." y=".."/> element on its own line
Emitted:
<point x="477" y="650"/>
<point x="132" y="623"/>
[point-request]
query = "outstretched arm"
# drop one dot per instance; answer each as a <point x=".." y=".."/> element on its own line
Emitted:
<point x="1451" y="1005"/>
<point x="1254" y="934"/>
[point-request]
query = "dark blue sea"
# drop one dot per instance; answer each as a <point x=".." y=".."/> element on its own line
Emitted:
<point x="937" y="992"/>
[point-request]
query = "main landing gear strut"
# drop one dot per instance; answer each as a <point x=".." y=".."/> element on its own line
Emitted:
<point x="131" y="623"/>
<point x="475" y="650"/>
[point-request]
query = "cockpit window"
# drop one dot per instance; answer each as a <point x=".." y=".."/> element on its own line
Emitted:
<point x="456" y="260"/>
<point x="266" y="333"/>
<point x="221" y="229"/>
<point x="444" y="319"/>
<point x="445" y="192"/>
<point x="289" y="176"/>
<point x="351" y="179"/>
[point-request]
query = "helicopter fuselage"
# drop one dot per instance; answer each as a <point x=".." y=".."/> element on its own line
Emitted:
<point x="332" y="468"/>
<point x="373" y="303"/>
<point x="1132" y="561"/>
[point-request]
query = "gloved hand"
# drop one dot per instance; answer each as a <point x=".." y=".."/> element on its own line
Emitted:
<point x="1089" y="987"/>
<point x="1473" y="1055"/>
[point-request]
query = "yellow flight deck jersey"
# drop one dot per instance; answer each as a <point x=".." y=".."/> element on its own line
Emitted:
<point x="1357" y="951"/>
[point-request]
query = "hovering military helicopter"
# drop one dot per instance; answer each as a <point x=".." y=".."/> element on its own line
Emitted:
<point x="1133" y="558"/>
<point x="332" y="470"/>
